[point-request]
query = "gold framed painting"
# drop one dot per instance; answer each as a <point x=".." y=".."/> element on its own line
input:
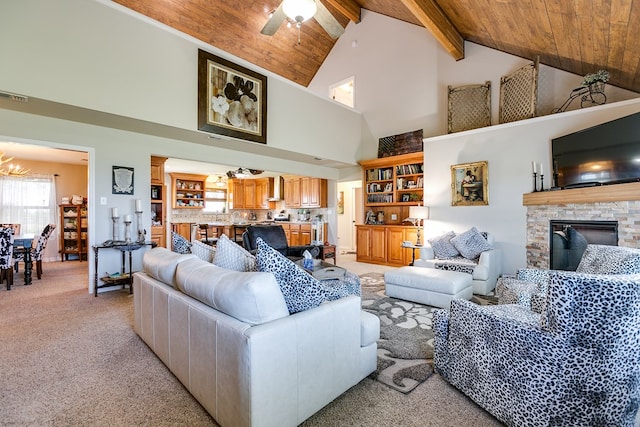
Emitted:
<point x="470" y="184"/>
<point x="232" y="100"/>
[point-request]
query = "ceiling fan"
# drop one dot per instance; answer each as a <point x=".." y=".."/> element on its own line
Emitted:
<point x="299" y="11"/>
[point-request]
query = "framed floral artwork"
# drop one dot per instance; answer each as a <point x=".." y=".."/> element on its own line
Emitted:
<point x="470" y="184"/>
<point x="232" y="100"/>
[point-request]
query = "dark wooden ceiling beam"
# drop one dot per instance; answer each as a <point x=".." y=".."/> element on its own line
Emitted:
<point x="438" y="23"/>
<point x="348" y="8"/>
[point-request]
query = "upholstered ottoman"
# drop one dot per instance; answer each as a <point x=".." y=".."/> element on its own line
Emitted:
<point x="428" y="285"/>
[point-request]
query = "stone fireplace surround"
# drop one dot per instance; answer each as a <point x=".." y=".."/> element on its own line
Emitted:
<point x="620" y="202"/>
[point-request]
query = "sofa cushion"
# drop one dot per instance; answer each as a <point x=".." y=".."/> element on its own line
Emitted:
<point x="232" y="256"/>
<point x="442" y="246"/>
<point x="203" y="251"/>
<point x="161" y="264"/>
<point x="605" y="259"/>
<point x="471" y="243"/>
<point x="301" y="290"/>
<point x="251" y="297"/>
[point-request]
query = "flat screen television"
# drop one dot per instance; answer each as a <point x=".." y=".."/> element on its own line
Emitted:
<point x="608" y="153"/>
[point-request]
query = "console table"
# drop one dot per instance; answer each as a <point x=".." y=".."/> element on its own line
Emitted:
<point x="123" y="278"/>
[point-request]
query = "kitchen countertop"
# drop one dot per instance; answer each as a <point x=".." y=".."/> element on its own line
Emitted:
<point x="229" y="223"/>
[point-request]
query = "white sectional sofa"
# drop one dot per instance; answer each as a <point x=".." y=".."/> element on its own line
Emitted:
<point x="229" y="338"/>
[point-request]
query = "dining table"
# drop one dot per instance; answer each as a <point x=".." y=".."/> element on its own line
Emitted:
<point x="25" y="241"/>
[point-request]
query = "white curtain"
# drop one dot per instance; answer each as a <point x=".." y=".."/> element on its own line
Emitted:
<point x="31" y="202"/>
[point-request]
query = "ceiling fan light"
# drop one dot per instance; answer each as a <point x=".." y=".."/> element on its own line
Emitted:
<point x="299" y="10"/>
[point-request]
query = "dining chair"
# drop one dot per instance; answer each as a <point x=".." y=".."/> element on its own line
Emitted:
<point x="6" y="255"/>
<point x="37" y="251"/>
<point x="15" y="227"/>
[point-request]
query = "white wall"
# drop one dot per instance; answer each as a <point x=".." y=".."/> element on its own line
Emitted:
<point x="402" y="74"/>
<point x="98" y="55"/>
<point x="509" y="149"/>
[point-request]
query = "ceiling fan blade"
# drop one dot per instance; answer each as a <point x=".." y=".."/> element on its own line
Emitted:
<point x="327" y="21"/>
<point x="274" y="22"/>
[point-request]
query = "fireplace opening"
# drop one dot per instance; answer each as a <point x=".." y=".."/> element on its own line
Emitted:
<point x="569" y="239"/>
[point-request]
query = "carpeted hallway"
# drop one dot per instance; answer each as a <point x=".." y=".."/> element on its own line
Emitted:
<point x="68" y="358"/>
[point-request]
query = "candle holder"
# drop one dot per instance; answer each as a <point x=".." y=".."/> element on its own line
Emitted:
<point x="141" y="231"/>
<point x="127" y="229"/>
<point x="116" y="230"/>
<point x="541" y="182"/>
<point x="535" y="182"/>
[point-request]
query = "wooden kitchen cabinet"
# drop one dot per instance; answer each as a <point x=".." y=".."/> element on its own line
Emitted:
<point x="305" y="192"/>
<point x="263" y="187"/>
<point x="157" y="170"/>
<point x="183" y="229"/>
<point x="249" y="193"/>
<point x="236" y="194"/>
<point x="292" y="192"/>
<point x="188" y="190"/>
<point x="297" y="234"/>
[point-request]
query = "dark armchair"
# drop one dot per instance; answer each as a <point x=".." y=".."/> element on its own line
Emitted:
<point x="274" y="236"/>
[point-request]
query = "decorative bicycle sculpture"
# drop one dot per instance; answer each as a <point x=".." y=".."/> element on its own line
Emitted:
<point x="590" y="93"/>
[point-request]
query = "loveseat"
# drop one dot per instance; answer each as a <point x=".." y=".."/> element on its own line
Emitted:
<point x="229" y="338"/>
<point x="470" y="252"/>
<point x="576" y="364"/>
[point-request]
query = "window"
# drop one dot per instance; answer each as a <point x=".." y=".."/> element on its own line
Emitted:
<point x="29" y="201"/>
<point x="215" y="200"/>
<point x="344" y="92"/>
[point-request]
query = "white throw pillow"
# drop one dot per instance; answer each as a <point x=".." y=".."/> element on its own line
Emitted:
<point x="203" y="251"/>
<point x="232" y="256"/>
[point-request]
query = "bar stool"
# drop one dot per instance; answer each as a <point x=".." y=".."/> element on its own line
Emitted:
<point x="204" y="235"/>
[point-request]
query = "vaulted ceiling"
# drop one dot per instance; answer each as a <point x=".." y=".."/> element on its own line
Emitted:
<point x="578" y="36"/>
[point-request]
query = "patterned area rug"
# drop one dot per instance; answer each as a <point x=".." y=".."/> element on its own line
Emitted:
<point x="405" y="348"/>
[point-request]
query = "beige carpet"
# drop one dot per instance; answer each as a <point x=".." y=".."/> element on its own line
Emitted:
<point x="68" y="358"/>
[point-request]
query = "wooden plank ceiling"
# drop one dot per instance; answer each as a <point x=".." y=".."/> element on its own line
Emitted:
<point x="578" y="36"/>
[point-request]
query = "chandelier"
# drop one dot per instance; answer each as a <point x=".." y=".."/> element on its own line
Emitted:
<point x="11" y="170"/>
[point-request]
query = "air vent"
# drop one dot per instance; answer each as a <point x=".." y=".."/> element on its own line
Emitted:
<point x="14" y="96"/>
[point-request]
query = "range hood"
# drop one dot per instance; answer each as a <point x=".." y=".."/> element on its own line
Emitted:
<point x="276" y="191"/>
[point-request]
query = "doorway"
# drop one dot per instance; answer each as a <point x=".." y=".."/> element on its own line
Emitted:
<point x="352" y="214"/>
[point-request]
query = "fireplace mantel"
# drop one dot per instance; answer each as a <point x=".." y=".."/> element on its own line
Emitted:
<point x="604" y="193"/>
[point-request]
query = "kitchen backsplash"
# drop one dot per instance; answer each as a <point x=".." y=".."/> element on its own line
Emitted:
<point x="198" y="216"/>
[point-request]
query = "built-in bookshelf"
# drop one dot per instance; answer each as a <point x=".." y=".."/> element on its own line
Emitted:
<point x="397" y="180"/>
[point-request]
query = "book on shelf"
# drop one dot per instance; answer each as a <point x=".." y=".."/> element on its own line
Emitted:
<point x="412" y="169"/>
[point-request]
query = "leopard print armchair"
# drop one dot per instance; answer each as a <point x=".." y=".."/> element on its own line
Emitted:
<point x="529" y="287"/>
<point x="576" y="364"/>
